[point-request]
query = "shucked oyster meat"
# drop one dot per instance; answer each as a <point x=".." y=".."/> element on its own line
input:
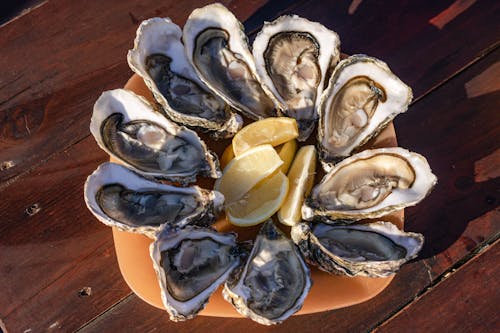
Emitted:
<point x="362" y="97"/>
<point x="190" y="264"/>
<point x="125" y="126"/>
<point x="371" y="184"/>
<point x="375" y="249"/>
<point x="121" y="198"/>
<point x="293" y="56"/>
<point x="273" y="283"/>
<point x="217" y="48"/>
<point x="159" y="58"/>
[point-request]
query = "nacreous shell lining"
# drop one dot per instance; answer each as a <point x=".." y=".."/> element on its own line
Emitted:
<point x="358" y="245"/>
<point x="194" y="265"/>
<point x="351" y="110"/>
<point x="275" y="278"/>
<point x="183" y="95"/>
<point x="147" y="208"/>
<point x="229" y="74"/>
<point x="148" y="147"/>
<point x="366" y="182"/>
<point x="291" y="60"/>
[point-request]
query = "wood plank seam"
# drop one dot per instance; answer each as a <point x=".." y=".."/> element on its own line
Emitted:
<point x="24" y="12"/>
<point x="481" y="55"/>
<point x="446" y="274"/>
<point x="88" y="323"/>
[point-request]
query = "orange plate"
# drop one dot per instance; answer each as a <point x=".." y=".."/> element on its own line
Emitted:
<point x="328" y="292"/>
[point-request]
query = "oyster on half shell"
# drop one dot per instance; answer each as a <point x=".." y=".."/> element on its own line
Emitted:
<point x="217" y="47"/>
<point x="293" y="56"/>
<point x="273" y="283"/>
<point x="191" y="263"/>
<point x="121" y="198"/>
<point x="375" y="249"/>
<point x="159" y="58"/>
<point x="362" y="97"/>
<point x="371" y="184"/>
<point x="127" y="127"/>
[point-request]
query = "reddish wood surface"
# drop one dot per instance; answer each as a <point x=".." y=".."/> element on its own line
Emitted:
<point x="50" y="245"/>
<point x="468" y="305"/>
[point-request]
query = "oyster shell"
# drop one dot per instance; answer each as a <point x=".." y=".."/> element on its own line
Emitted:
<point x="371" y="184"/>
<point x="274" y="281"/>
<point x="121" y="198"/>
<point x="217" y="47"/>
<point x="190" y="264"/>
<point x="362" y="97"/>
<point x="159" y="58"/>
<point x="293" y="56"/>
<point x="375" y="249"/>
<point x="127" y="128"/>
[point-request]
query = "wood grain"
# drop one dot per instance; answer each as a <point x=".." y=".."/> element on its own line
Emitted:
<point x="458" y="217"/>
<point x="50" y="245"/>
<point x="78" y="49"/>
<point x="462" y="302"/>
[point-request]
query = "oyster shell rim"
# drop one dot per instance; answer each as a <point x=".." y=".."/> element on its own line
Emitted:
<point x="217" y="130"/>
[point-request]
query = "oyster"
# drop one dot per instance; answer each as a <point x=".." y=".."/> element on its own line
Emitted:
<point x="362" y="97"/>
<point x="190" y="264"/>
<point x="217" y="48"/>
<point x="274" y="282"/>
<point x="371" y="184"/>
<point x="121" y="198"/>
<point x="293" y="56"/>
<point x="375" y="249"/>
<point x="126" y="127"/>
<point x="159" y="58"/>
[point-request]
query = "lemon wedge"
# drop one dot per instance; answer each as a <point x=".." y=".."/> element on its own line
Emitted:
<point x="273" y="131"/>
<point x="226" y="157"/>
<point x="301" y="177"/>
<point x="246" y="171"/>
<point x="260" y="203"/>
<point x="287" y="153"/>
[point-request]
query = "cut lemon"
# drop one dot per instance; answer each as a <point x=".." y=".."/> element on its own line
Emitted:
<point x="301" y="177"/>
<point x="226" y="157"/>
<point x="273" y="131"/>
<point x="287" y="153"/>
<point x="246" y="171"/>
<point x="260" y="203"/>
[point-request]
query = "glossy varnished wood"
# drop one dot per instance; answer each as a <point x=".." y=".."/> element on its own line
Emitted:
<point x="455" y="220"/>
<point x="57" y="262"/>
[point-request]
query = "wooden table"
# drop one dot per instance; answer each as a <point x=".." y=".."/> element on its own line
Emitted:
<point x="58" y="270"/>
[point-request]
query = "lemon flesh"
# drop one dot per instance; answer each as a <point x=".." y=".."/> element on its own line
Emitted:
<point x="246" y="171"/>
<point x="301" y="177"/>
<point x="260" y="203"/>
<point x="273" y="131"/>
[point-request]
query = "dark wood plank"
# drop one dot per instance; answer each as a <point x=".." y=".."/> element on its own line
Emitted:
<point x="422" y="53"/>
<point x="458" y="217"/>
<point x="466" y="301"/>
<point x="58" y="59"/>
<point x="51" y="247"/>
<point x="61" y="234"/>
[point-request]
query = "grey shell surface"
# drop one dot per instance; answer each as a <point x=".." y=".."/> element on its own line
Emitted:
<point x="184" y="247"/>
<point x="126" y="108"/>
<point x="160" y="37"/>
<point x="293" y="56"/>
<point x="305" y="236"/>
<point x="286" y="284"/>
<point x="207" y="208"/>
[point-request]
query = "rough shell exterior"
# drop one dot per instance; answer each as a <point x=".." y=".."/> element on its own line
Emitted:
<point x="319" y="255"/>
